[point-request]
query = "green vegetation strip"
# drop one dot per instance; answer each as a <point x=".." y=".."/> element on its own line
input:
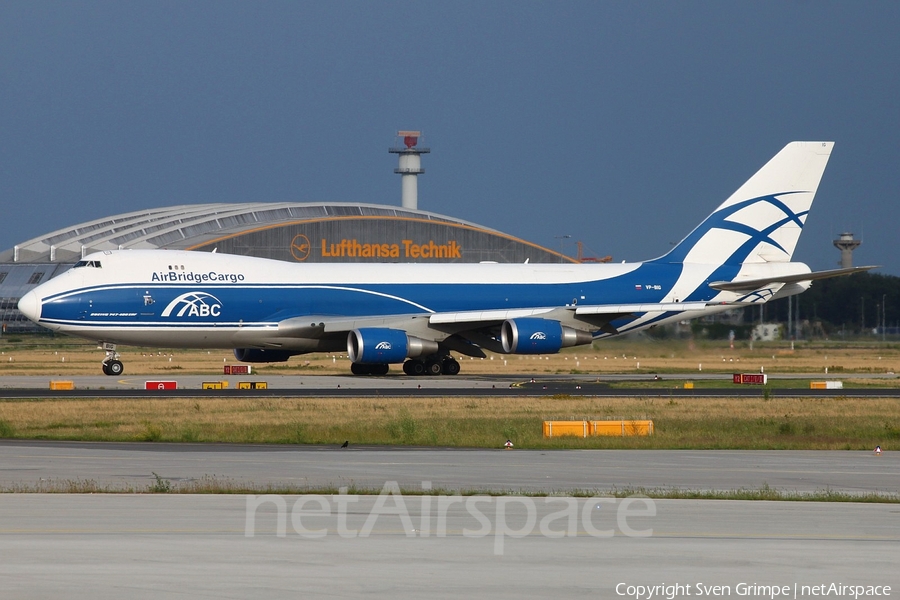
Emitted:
<point x="217" y="485"/>
<point x="832" y="423"/>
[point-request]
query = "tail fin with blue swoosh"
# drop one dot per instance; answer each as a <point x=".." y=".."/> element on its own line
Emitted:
<point x="744" y="248"/>
<point x="761" y="222"/>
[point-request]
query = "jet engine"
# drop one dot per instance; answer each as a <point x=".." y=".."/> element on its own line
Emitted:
<point x="539" y="336"/>
<point x="377" y="345"/>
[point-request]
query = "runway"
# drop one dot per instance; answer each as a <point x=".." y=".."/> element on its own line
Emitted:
<point x="401" y="546"/>
<point x="132" y="466"/>
<point x="116" y="546"/>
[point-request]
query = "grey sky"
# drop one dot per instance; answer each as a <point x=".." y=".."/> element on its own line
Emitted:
<point x="621" y="124"/>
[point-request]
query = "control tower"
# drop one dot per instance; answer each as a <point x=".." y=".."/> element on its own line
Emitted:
<point x="846" y="244"/>
<point x="410" y="166"/>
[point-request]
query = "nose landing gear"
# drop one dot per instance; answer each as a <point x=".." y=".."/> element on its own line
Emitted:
<point x="111" y="364"/>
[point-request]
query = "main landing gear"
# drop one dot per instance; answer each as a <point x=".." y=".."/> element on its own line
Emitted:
<point x="111" y="364"/>
<point x="433" y="365"/>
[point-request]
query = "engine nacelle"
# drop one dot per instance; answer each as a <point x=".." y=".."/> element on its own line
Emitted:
<point x="539" y="336"/>
<point x="381" y="345"/>
<point x="255" y="355"/>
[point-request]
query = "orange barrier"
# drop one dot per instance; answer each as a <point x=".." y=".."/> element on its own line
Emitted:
<point x="586" y="428"/>
<point x="622" y="428"/>
<point x="558" y="428"/>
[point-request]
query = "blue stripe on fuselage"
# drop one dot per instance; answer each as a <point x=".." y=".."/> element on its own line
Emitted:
<point x="269" y="303"/>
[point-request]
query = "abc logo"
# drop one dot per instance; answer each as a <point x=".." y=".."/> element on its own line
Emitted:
<point x="194" y="304"/>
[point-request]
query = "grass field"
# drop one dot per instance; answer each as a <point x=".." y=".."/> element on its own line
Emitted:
<point x="223" y="485"/>
<point x="826" y="424"/>
<point x="759" y="423"/>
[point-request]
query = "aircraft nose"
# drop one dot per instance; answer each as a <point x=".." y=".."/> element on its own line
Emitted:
<point x="30" y="306"/>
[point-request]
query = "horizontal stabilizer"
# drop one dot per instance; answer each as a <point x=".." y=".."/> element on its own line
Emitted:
<point x="748" y="285"/>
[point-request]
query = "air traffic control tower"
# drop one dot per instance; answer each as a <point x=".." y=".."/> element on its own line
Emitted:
<point x="410" y="166"/>
<point x="846" y="244"/>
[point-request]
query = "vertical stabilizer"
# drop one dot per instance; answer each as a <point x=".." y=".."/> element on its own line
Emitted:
<point x="761" y="222"/>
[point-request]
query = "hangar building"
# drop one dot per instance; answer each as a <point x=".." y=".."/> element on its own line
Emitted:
<point x="295" y="232"/>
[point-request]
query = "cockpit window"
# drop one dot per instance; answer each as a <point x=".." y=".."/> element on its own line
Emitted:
<point x="87" y="263"/>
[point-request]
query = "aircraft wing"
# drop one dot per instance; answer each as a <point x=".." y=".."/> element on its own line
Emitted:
<point x="486" y="316"/>
<point x="471" y="324"/>
<point x="465" y="332"/>
<point x="630" y="309"/>
<point x="612" y="310"/>
<point x="749" y="285"/>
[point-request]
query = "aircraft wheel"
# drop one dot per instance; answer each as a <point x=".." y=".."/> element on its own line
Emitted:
<point x="105" y="369"/>
<point x="359" y="369"/>
<point x="369" y="369"/>
<point x="115" y="368"/>
<point x="414" y="367"/>
<point x="433" y="367"/>
<point x="450" y="367"/>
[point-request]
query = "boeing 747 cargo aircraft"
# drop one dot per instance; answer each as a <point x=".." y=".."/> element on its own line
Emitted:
<point x="418" y="314"/>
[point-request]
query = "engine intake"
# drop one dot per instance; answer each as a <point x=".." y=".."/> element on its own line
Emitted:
<point x="539" y="336"/>
<point x="380" y="345"/>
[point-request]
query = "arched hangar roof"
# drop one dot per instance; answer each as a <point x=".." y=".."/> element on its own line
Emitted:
<point x="192" y="225"/>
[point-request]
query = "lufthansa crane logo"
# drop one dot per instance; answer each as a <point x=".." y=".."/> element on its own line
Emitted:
<point x="538" y="335"/>
<point x="194" y="304"/>
<point x="300" y="247"/>
<point x="383" y="346"/>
